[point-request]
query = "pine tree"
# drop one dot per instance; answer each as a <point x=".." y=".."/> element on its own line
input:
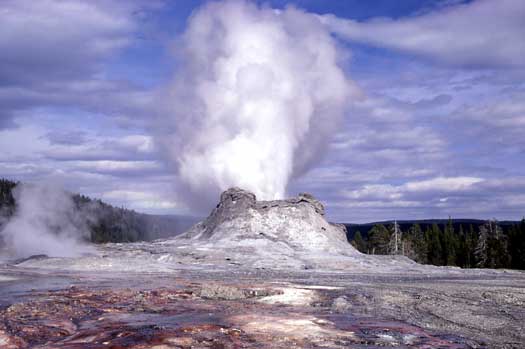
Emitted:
<point x="395" y="245"/>
<point x="492" y="249"/>
<point x="520" y="246"/>
<point x="449" y="244"/>
<point x="471" y="241"/>
<point x="435" y="250"/>
<point x="461" y="251"/>
<point x="414" y="244"/>
<point x="513" y="236"/>
<point x="481" y="250"/>
<point x="517" y="245"/>
<point x="378" y="239"/>
<point x="359" y="243"/>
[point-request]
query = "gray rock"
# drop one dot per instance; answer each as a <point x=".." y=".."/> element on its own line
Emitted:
<point x="233" y="203"/>
<point x="228" y="292"/>
<point x="224" y="292"/>
<point x="341" y="305"/>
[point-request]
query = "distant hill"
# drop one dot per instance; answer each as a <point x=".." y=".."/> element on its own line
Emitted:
<point x="108" y="223"/>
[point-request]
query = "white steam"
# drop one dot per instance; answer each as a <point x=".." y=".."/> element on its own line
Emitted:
<point x="258" y="95"/>
<point x="46" y="221"/>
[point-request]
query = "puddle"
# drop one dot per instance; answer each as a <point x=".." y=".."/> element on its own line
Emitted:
<point x="395" y="333"/>
<point x="188" y="318"/>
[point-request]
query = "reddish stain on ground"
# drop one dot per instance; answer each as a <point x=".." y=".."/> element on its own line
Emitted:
<point x="179" y="318"/>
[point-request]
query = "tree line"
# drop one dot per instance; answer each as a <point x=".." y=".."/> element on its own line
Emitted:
<point x="485" y="246"/>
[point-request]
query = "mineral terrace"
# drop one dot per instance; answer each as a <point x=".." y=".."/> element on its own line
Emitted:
<point x="255" y="274"/>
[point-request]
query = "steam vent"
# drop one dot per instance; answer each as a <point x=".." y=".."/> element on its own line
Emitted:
<point x="279" y="232"/>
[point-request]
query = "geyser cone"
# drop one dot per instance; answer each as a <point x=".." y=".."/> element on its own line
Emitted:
<point x="296" y="225"/>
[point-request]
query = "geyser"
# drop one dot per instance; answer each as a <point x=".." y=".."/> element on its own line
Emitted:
<point x="257" y="96"/>
<point x="46" y="221"/>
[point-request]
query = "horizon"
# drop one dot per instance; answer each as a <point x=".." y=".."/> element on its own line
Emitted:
<point x="428" y="126"/>
<point x="347" y="222"/>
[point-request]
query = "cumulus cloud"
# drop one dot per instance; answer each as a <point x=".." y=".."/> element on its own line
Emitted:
<point x="59" y="39"/>
<point x="258" y="97"/>
<point x="122" y="168"/>
<point x="130" y="147"/>
<point x="54" y="54"/>
<point x="389" y="135"/>
<point x="442" y="184"/>
<point x="438" y="185"/>
<point x="477" y="33"/>
<point x="437" y="197"/>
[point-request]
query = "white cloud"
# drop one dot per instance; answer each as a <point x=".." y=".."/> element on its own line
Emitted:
<point x="13" y="148"/>
<point x="390" y="192"/>
<point x="56" y="53"/>
<point x="507" y="111"/>
<point x="140" y="143"/>
<point x="58" y="38"/>
<point x="438" y="197"/>
<point x="140" y="200"/>
<point x="478" y="33"/>
<point x="378" y="204"/>
<point x="133" y="147"/>
<point x="116" y="167"/>
<point x="443" y="184"/>
<point x="375" y="191"/>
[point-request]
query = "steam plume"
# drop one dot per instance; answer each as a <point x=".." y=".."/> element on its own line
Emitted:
<point x="257" y="97"/>
<point x="46" y="221"/>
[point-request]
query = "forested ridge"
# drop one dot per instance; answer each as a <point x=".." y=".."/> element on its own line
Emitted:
<point x="463" y="243"/>
<point x="106" y="223"/>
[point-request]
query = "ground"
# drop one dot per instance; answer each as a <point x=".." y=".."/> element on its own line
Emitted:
<point x="255" y="274"/>
<point x="246" y="308"/>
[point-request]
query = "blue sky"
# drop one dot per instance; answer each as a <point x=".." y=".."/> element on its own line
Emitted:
<point x="438" y="131"/>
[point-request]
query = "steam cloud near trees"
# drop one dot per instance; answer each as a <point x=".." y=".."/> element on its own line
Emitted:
<point x="46" y="221"/>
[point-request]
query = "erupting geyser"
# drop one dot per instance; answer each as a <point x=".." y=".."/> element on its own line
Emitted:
<point x="257" y="96"/>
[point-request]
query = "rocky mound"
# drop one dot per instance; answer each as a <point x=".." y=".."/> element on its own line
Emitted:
<point x="297" y="224"/>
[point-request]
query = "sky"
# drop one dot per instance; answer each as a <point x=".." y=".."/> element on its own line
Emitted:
<point x="437" y="129"/>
